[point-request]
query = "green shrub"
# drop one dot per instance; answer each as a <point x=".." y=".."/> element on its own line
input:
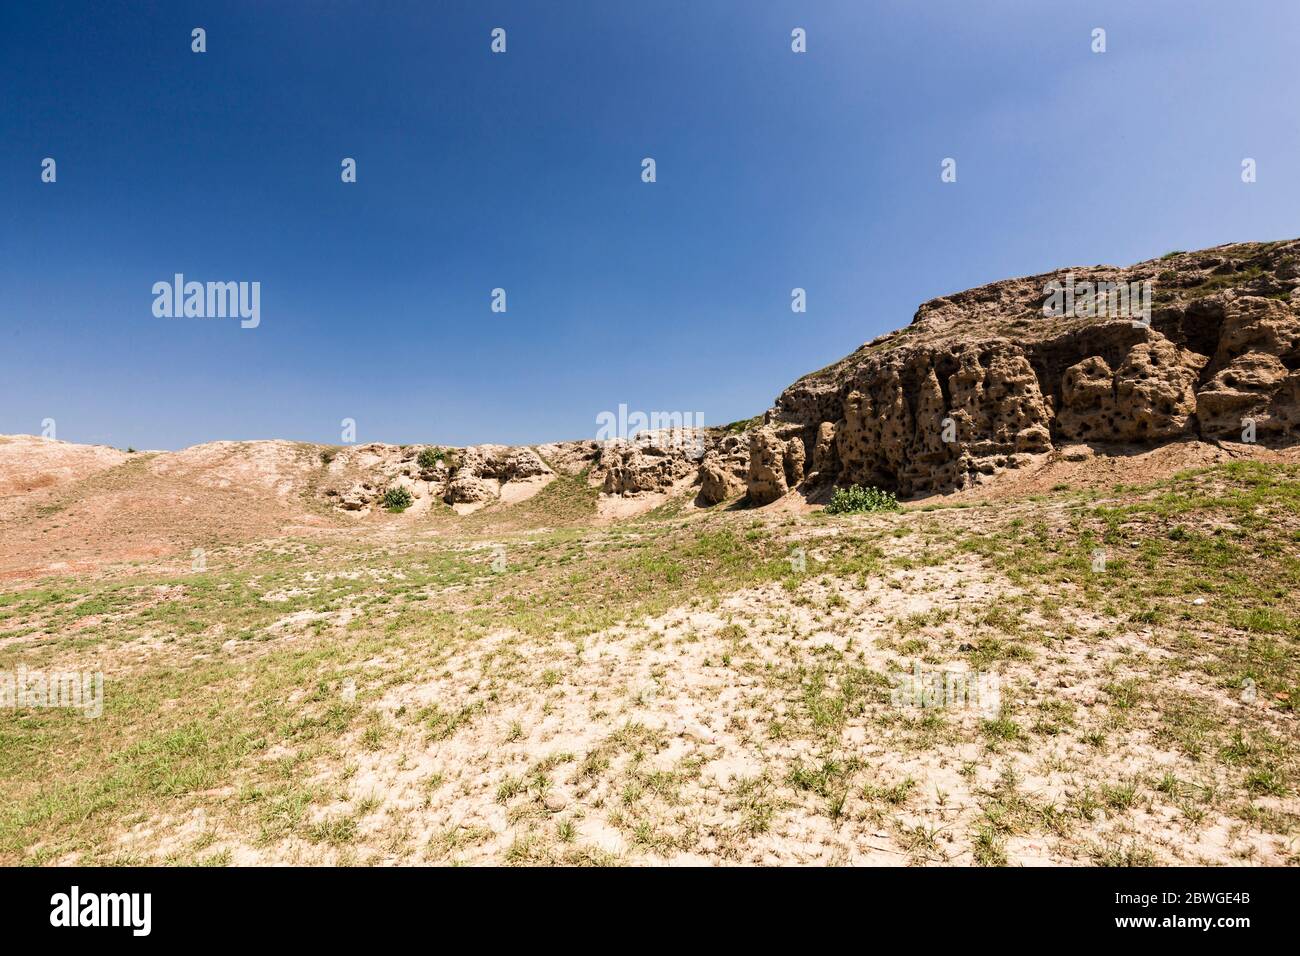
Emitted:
<point x="429" y="457"/>
<point x="855" y="500"/>
<point x="327" y="456"/>
<point x="398" y="498"/>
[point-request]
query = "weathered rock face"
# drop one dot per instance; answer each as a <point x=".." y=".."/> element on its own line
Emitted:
<point x="650" y="461"/>
<point x="482" y="470"/>
<point x="571" y="457"/>
<point x="468" y="489"/>
<point x="1252" y="387"/>
<point x="356" y="497"/>
<point x="904" y="417"/>
<point x="794" y="457"/>
<point x="724" y="470"/>
<point x="983" y="381"/>
<point x="1151" y="396"/>
<point x="826" y="459"/>
<point x="772" y="463"/>
<point x="359" y="476"/>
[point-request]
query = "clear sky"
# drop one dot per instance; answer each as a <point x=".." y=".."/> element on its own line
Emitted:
<point x="522" y="170"/>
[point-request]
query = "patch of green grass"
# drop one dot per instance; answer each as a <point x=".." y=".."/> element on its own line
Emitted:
<point x="988" y="847"/>
<point x="1001" y="728"/>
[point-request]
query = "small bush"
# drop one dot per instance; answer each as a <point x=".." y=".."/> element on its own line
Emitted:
<point x="327" y="456"/>
<point x="398" y="498"/>
<point x="855" y="500"/>
<point x="429" y="457"/>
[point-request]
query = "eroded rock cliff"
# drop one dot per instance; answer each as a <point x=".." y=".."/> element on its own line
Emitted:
<point x="983" y="380"/>
<point x="980" y="382"/>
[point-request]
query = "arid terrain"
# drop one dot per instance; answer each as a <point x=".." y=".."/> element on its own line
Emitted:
<point x="666" y="650"/>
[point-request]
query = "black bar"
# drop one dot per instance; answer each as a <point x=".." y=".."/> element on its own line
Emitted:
<point x="952" y="906"/>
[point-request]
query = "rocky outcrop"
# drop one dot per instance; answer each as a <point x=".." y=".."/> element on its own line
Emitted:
<point x="1151" y="396"/>
<point x="983" y="380"/>
<point x="356" y="497"/>
<point x="571" y="457"/>
<point x="468" y="488"/>
<point x="358" y="477"/>
<point x="775" y="464"/>
<point x="1253" y="388"/>
<point x="826" y="459"/>
<point x="650" y="461"/>
<point x="903" y="427"/>
<point x="725" y="468"/>
<point x="481" y="471"/>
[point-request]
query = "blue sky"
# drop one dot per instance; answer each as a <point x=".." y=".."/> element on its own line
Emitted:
<point x="522" y="171"/>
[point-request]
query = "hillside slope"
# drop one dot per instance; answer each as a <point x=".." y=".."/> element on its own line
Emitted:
<point x="616" y="653"/>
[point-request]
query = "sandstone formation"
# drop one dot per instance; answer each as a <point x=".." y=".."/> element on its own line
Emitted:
<point x="725" y="469"/>
<point x="650" y="461"/>
<point x="481" y="471"/>
<point x="766" y="479"/>
<point x="980" y="381"/>
<point x="471" y="476"/>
